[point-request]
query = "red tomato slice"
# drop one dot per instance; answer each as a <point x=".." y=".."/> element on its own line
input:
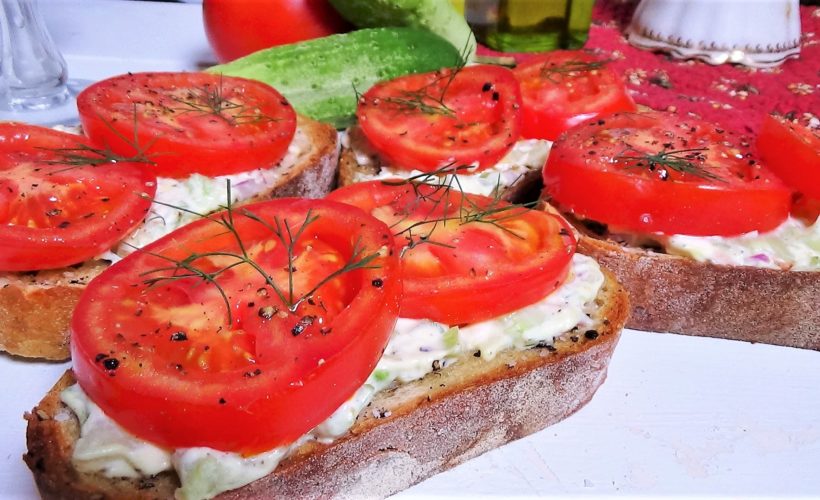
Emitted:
<point x="792" y="151"/>
<point x="58" y="209"/>
<point x="431" y="120"/>
<point x="561" y="89"/>
<point x="653" y="172"/>
<point x="189" y="122"/>
<point x="466" y="258"/>
<point x="238" y="27"/>
<point x="169" y="363"/>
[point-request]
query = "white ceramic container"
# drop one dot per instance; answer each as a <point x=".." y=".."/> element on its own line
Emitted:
<point x="758" y="33"/>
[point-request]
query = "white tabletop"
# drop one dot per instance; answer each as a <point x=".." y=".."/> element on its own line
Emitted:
<point x="677" y="416"/>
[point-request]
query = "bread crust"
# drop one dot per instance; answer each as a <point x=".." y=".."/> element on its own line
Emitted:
<point x="407" y="434"/>
<point x="669" y="293"/>
<point x="36" y="307"/>
<point x="525" y="189"/>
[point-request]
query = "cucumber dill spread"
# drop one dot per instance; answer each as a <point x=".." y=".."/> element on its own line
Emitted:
<point x="792" y="246"/>
<point x="526" y="156"/>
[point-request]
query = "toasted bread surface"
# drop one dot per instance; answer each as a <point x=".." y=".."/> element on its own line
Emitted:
<point x="35" y="307"/>
<point x="676" y="294"/>
<point x="525" y="189"/>
<point x="407" y="433"/>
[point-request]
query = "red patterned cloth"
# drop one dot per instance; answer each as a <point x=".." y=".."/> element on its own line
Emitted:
<point x="737" y="97"/>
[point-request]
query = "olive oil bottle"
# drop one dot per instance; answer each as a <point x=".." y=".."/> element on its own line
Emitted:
<point x="529" y="25"/>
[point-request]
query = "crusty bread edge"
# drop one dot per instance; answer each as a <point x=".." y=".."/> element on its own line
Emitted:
<point x="525" y="189"/>
<point x="669" y="293"/>
<point x="35" y="308"/>
<point x="406" y="435"/>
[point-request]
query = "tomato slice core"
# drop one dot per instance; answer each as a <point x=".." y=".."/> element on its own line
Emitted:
<point x="186" y="344"/>
<point x="562" y="88"/>
<point x="431" y="120"/>
<point x="466" y="258"/>
<point x="189" y="122"/>
<point x="57" y="208"/>
<point x="653" y="172"/>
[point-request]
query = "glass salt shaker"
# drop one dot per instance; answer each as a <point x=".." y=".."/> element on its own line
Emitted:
<point x="33" y="73"/>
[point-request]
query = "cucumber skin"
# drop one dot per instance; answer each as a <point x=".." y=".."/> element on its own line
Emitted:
<point x="318" y="76"/>
<point x="436" y="16"/>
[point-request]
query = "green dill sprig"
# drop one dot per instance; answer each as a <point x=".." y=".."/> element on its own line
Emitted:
<point x="84" y="155"/>
<point x="468" y="211"/>
<point x="187" y="268"/>
<point x="210" y="100"/>
<point x="495" y="213"/>
<point x="427" y="99"/>
<point x="679" y="160"/>
<point x="443" y="177"/>
<point x="555" y="73"/>
<point x="285" y="234"/>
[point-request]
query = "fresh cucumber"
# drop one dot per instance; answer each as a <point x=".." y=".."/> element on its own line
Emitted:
<point x="320" y="77"/>
<point x="437" y="16"/>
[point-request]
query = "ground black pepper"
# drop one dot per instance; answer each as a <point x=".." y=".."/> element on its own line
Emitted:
<point x="303" y="323"/>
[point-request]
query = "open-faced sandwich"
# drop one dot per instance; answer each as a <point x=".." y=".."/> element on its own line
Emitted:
<point x="257" y="352"/>
<point x="71" y="204"/>
<point x="695" y="226"/>
<point x="489" y="126"/>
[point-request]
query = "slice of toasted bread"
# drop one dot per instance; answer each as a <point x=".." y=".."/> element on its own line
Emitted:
<point x="351" y="170"/>
<point x="407" y="433"/>
<point x="35" y="307"/>
<point x="676" y="294"/>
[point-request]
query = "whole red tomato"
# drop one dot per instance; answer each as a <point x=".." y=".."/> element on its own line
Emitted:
<point x="238" y="27"/>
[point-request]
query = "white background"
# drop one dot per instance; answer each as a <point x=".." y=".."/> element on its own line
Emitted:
<point x="678" y="416"/>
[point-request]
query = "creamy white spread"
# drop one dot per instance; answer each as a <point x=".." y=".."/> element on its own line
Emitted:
<point x="793" y="246"/>
<point x="178" y="201"/>
<point x="525" y="156"/>
<point x="109" y="449"/>
<point x="416" y="348"/>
